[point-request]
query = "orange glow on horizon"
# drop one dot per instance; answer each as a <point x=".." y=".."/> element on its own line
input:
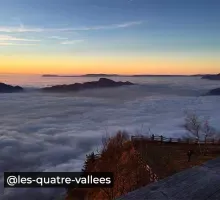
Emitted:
<point x="107" y="65"/>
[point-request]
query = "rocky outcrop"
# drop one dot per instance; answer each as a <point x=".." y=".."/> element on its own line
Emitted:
<point x="212" y="77"/>
<point x="4" y="88"/>
<point x="101" y="83"/>
<point x="214" y="92"/>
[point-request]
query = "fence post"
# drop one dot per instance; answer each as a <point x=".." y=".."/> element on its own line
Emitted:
<point x="152" y="137"/>
<point x="196" y="141"/>
<point x="161" y="139"/>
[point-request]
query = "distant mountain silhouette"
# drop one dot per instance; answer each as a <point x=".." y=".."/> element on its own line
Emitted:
<point x="115" y="75"/>
<point x="53" y="75"/>
<point x="4" y="88"/>
<point x="199" y="75"/>
<point x="100" y="75"/>
<point x="101" y="83"/>
<point x="214" y="92"/>
<point x="85" y="75"/>
<point x="212" y="77"/>
<point x="151" y="75"/>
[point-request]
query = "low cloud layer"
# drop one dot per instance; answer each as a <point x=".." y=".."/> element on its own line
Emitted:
<point x="51" y="132"/>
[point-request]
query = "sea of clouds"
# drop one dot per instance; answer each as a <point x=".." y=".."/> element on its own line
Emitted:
<point x="54" y="132"/>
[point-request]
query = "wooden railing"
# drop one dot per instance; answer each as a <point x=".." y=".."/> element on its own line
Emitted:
<point x="163" y="139"/>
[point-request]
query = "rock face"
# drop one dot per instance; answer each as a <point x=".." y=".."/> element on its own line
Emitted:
<point x="212" y="77"/>
<point x="101" y="83"/>
<point x="214" y="92"/>
<point x="4" y="88"/>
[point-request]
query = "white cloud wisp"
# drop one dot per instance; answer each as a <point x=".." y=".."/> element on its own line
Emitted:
<point x="69" y="42"/>
<point x="21" y="29"/>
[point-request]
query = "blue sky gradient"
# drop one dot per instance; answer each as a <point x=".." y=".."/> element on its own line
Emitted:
<point x="110" y="28"/>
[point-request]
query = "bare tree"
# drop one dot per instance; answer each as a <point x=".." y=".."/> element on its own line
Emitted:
<point x="193" y="124"/>
<point x="199" y="128"/>
<point x="208" y="132"/>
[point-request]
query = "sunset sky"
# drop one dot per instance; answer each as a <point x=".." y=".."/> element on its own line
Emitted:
<point x="110" y="36"/>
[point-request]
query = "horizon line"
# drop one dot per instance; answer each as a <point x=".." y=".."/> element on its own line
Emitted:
<point x="110" y="74"/>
